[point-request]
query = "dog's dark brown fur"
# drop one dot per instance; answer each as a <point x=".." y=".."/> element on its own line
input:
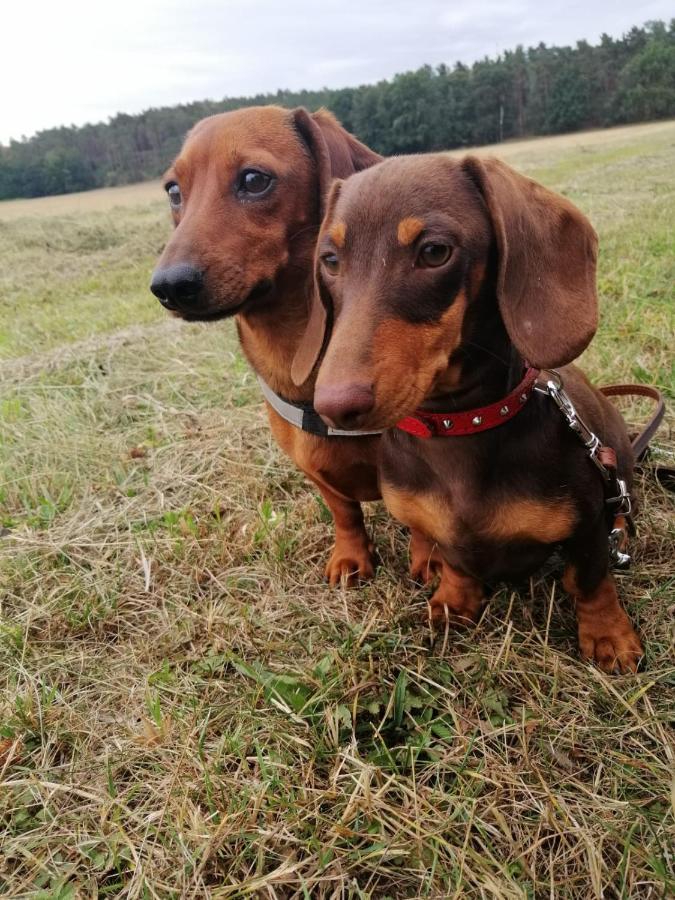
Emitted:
<point x="519" y="284"/>
<point x="240" y="245"/>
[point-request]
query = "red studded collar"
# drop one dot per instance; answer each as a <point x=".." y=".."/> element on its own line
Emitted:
<point x="425" y="424"/>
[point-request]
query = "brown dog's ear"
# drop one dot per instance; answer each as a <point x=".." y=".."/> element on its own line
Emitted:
<point x="320" y="318"/>
<point x="547" y="259"/>
<point x="336" y="152"/>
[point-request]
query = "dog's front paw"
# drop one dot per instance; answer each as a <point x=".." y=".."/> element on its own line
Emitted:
<point x="456" y="614"/>
<point x="612" y="645"/>
<point x="606" y="634"/>
<point x="426" y="562"/>
<point x="350" y="563"/>
<point x="457" y="601"/>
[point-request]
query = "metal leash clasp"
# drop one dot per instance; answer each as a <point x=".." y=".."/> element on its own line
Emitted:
<point x="553" y="387"/>
<point x="589" y="439"/>
<point x="624" y="505"/>
<point x="618" y="560"/>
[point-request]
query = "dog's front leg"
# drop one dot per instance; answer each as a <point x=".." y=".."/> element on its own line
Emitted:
<point x="606" y="634"/>
<point x="351" y="559"/>
<point x="426" y="561"/>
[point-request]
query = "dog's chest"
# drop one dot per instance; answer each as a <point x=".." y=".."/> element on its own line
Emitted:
<point x="460" y="504"/>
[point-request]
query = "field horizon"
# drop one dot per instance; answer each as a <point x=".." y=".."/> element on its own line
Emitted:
<point x="187" y="710"/>
<point x="147" y="191"/>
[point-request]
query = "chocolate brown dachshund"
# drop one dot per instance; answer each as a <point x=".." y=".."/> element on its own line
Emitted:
<point x="246" y="194"/>
<point x="445" y="286"/>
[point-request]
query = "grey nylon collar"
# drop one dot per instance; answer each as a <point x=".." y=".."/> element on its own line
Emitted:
<point x="304" y="416"/>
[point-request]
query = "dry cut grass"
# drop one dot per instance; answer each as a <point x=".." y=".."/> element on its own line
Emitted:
<point x="100" y="200"/>
<point x="188" y="711"/>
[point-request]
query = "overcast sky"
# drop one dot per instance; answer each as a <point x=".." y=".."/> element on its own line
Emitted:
<point x="77" y="61"/>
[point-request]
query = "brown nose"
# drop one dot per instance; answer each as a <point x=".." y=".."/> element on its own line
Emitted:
<point x="344" y="405"/>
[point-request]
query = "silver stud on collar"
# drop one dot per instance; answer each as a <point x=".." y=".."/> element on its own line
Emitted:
<point x="523" y="398"/>
<point x="476" y="420"/>
<point x="504" y="411"/>
<point x="448" y="423"/>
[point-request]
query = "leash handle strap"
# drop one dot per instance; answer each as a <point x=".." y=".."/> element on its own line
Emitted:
<point x="640" y="441"/>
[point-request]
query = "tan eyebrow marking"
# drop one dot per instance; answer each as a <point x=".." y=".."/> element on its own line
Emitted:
<point x="338" y="233"/>
<point x="408" y="229"/>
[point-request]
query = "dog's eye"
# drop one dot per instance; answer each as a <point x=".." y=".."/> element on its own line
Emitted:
<point x="331" y="263"/>
<point x="254" y="182"/>
<point x="433" y="255"/>
<point x="175" y="197"/>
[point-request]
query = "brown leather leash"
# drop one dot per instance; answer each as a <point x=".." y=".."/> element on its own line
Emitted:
<point x="665" y="475"/>
<point x="641" y="440"/>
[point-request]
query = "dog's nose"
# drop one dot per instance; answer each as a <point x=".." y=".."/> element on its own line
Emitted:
<point x="177" y="287"/>
<point x="344" y="406"/>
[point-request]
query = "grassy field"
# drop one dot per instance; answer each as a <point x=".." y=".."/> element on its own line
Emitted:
<point x="186" y="710"/>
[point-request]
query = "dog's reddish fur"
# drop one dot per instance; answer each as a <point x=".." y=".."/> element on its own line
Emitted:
<point x="238" y="245"/>
<point x="518" y="283"/>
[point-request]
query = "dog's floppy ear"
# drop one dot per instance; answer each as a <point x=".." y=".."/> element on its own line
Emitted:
<point x="320" y="318"/>
<point x="336" y="154"/>
<point x="547" y="259"/>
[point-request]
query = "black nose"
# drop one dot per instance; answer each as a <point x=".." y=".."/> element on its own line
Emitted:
<point x="177" y="287"/>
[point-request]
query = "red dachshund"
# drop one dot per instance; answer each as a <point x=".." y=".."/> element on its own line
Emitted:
<point x="246" y="194"/>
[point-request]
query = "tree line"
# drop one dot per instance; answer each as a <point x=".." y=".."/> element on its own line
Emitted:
<point x="534" y="91"/>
